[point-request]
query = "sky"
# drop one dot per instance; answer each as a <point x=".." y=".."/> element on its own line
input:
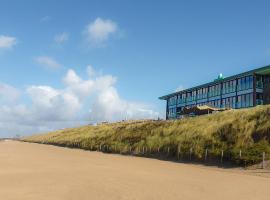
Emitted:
<point x="70" y="63"/>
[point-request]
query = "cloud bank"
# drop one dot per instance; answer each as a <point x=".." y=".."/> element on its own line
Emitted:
<point x="80" y="101"/>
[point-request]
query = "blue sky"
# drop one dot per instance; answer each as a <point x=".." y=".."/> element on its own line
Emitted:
<point x="140" y="50"/>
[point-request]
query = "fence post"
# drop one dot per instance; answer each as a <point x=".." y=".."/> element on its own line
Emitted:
<point x="158" y="149"/>
<point x="221" y="156"/>
<point x="190" y="153"/>
<point x="178" y="152"/>
<point x="168" y="151"/>
<point x="240" y="154"/>
<point x="263" y="160"/>
<point x="205" y="156"/>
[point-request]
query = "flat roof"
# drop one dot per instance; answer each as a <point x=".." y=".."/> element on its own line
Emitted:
<point x="262" y="70"/>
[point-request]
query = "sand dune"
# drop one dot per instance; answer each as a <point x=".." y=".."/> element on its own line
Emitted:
<point x="34" y="171"/>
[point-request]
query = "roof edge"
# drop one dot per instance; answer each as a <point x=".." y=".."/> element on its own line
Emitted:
<point x="165" y="97"/>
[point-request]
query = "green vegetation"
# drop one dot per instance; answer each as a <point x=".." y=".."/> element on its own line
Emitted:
<point x="231" y="132"/>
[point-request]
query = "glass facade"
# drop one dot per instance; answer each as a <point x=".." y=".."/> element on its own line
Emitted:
<point x="245" y="83"/>
<point x="229" y="86"/>
<point x="235" y="93"/>
<point x="214" y="90"/>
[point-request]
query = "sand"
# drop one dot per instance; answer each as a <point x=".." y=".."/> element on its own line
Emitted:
<point x="35" y="171"/>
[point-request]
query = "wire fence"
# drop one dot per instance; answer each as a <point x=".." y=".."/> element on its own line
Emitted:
<point x="206" y="156"/>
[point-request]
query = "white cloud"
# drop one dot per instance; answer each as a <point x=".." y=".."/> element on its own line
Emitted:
<point x="61" y="38"/>
<point x="110" y="107"/>
<point x="98" y="31"/>
<point x="48" y="62"/>
<point x="8" y="94"/>
<point x="7" y="42"/>
<point x="51" y="108"/>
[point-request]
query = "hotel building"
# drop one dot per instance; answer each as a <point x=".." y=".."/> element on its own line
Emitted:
<point x="243" y="90"/>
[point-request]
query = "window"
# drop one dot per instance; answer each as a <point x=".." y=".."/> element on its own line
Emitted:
<point x="243" y="86"/>
<point x="172" y="100"/>
<point x="250" y="82"/>
<point x="245" y="83"/>
<point x="245" y="100"/>
<point x="229" y="87"/>
<point x="181" y="98"/>
<point x="259" y="82"/>
<point x="229" y="102"/>
<point x="189" y="96"/>
<point x="199" y="94"/>
<point x="239" y="101"/>
<point x="259" y="99"/>
<point x="214" y="90"/>
<point x="193" y="94"/>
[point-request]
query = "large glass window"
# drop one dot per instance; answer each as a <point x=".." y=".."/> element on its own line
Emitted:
<point x="189" y="98"/>
<point x="172" y="112"/>
<point x="205" y="91"/>
<point x="181" y="98"/>
<point x="245" y="83"/>
<point x="259" y="81"/>
<point x="245" y="100"/>
<point x="199" y="93"/>
<point x="193" y="94"/>
<point x="229" y="102"/>
<point x="249" y="80"/>
<point x="259" y="99"/>
<point x="214" y="90"/>
<point x="229" y="86"/>
<point x="172" y="100"/>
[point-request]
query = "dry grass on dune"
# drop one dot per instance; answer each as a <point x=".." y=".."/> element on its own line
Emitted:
<point x="230" y="131"/>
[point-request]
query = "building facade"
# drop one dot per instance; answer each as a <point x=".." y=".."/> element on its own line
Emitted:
<point x="243" y="90"/>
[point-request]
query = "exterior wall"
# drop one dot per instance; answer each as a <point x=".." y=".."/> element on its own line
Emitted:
<point x="241" y="92"/>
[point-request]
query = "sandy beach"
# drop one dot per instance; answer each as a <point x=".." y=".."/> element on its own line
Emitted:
<point x="34" y="171"/>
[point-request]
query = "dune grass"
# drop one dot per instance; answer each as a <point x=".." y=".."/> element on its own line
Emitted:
<point x="242" y="135"/>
